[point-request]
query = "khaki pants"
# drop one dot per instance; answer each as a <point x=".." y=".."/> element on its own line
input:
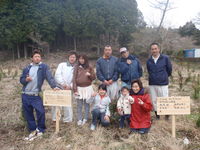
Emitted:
<point x="158" y="91"/>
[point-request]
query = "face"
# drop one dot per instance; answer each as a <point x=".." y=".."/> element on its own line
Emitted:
<point x="125" y="54"/>
<point x="135" y="87"/>
<point x="155" y="50"/>
<point x="102" y="92"/>
<point x="36" y="58"/>
<point x="81" y="60"/>
<point x="72" y="59"/>
<point x="108" y="51"/>
<point x="125" y="92"/>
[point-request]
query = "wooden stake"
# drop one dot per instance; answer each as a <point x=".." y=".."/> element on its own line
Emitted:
<point x="173" y="126"/>
<point x="57" y="119"/>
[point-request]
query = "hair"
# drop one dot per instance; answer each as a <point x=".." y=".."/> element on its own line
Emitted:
<point x="107" y="46"/>
<point x="86" y="63"/>
<point x="36" y="51"/>
<point x="154" y="43"/>
<point x="124" y="88"/>
<point x="139" y="82"/>
<point x="103" y="87"/>
<point x="72" y="53"/>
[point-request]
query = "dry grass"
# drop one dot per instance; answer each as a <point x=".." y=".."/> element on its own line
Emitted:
<point x="71" y="137"/>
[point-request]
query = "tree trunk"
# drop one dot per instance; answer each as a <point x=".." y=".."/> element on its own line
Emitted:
<point x="75" y="46"/>
<point x="18" y="52"/>
<point x="99" y="45"/>
<point x="163" y="15"/>
<point x="25" y="51"/>
<point x="13" y="54"/>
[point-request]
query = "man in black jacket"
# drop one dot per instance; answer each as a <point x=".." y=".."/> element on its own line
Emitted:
<point x="159" y="68"/>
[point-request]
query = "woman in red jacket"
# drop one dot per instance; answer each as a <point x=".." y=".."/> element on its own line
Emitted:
<point x="140" y="109"/>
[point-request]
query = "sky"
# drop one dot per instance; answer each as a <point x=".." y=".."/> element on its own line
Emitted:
<point x="184" y="11"/>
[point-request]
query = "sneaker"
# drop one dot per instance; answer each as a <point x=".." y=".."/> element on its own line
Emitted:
<point x="79" y="123"/>
<point x="92" y="127"/>
<point x="84" y="121"/>
<point x="38" y="134"/>
<point x="31" y="135"/>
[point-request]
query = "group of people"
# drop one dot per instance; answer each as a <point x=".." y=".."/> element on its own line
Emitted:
<point x="134" y="102"/>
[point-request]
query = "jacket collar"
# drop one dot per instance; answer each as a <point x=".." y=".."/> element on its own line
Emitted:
<point x="141" y="92"/>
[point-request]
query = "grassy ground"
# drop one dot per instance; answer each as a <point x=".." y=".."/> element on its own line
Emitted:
<point x="12" y="127"/>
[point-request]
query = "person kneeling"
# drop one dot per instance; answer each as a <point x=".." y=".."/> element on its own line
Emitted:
<point x="100" y="110"/>
<point x="140" y="109"/>
<point x="124" y="106"/>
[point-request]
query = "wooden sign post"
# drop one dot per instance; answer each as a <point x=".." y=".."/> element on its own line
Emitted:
<point x="173" y="106"/>
<point x="57" y="98"/>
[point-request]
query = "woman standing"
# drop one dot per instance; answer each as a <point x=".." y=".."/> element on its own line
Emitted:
<point x="140" y="109"/>
<point x="82" y="86"/>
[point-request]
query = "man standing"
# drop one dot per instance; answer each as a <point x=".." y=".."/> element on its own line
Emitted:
<point x="159" y="68"/>
<point x="32" y="80"/>
<point x="64" y="76"/>
<point x="129" y="67"/>
<point x="107" y="72"/>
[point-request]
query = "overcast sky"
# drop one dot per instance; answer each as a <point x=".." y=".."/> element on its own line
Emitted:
<point x="185" y="10"/>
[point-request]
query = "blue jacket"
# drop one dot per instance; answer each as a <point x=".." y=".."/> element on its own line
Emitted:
<point x="106" y="69"/>
<point x="42" y="74"/>
<point x="159" y="72"/>
<point x="129" y="72"/>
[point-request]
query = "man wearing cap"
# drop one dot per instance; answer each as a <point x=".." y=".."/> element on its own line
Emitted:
<point x="129" y="67"/>
<point x="159" y="68"/>
<point x="107" y="72"/>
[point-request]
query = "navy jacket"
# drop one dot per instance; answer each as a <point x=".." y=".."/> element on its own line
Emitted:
<point x="159" y="72"/>
<point x="129" y="72"/>
<point x="106" y="69"/>
<point x="42" y="74"/>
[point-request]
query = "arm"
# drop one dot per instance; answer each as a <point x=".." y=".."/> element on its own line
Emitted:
<point x="169" y="67"/>
<point x="50" y="79"/>
<point x="119" y="103"/>
<point x="139" y="68"/>
<point x="131" y="100"/>
<point x="90" y="100"/>
<point x="23" y="77"/>
<point x="147" y="105"/>
<point x="108" y="109"/>
<point x="92" y="76"/>
<point x="74" y="78"/>
<point x="116" y="74"/>
<point x="58" y="75"/>
<point x="99" y="73"/>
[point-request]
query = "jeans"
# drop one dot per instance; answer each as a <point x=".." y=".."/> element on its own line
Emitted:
<point x="29" y="104"/>
<point x="80" y="103"/>
<point x="122" y="120"/>
<point x="97" y="115"/>
<point x="126" y="85"/>
<point x="140" y="130"/>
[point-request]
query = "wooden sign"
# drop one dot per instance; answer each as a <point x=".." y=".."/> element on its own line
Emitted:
<point x="173" y="105"/>
<point x="57" y="98"/>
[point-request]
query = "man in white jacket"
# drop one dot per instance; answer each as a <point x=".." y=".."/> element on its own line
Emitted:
<point x="64" y="76"/>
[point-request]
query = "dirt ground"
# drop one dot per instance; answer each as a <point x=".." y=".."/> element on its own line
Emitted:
<point x="13" y="130"/>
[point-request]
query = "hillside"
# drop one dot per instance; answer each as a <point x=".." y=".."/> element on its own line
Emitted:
<point x="13" y="130"/>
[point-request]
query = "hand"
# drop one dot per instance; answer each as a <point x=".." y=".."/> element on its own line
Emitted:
<point x="131" y="100"/>
<point x="56" y="89"/>
<point x="94" y="94"/>
<point x="88" y="74"/>
<point x="128" y="61"/>
<point x="107" y="118"/>
<point x="106" y="82"/>
<point x="28" y="78"/>
<point x="120" y="111"/>
<point x="110" y="81"/>
<point x="65" y="87"/>
<point x="140" y="101"/>
<point x="76" y="93"/>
